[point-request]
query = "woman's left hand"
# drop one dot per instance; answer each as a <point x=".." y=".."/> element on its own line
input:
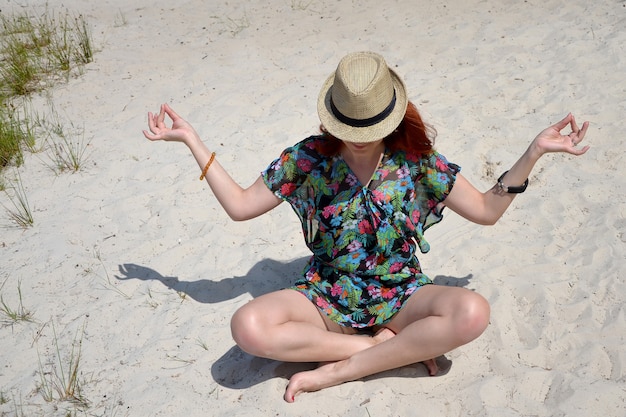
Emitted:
<point x="551" y="139"/>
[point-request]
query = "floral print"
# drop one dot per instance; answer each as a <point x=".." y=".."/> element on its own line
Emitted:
<point x="363" y="237"/>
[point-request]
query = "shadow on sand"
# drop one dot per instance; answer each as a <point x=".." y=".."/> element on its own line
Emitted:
<point x="239" y="370"/>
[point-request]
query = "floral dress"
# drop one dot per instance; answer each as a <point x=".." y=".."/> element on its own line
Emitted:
<point x="363" y="237"/>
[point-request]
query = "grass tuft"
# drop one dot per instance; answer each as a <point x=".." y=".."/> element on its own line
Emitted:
<point x="14" y="315"/>
<point x="3" y="398"/>
<point x="300" y="4"/>
<point x="15" y="133"/>
<point x="120" y="19"/>
<point x="66" y="147"/>
<point x="20" y="212"/>
<point x="62" y="382"/>
<point x="233" y="25"/>
<point x="36" y="51"/>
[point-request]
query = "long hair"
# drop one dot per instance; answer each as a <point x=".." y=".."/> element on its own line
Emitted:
<point x="412" y="136"/>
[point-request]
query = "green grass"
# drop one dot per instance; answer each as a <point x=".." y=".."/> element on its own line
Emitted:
<point x="300" y="4"/>
<point x="18" y="407"/>
<point x="19" y="212"/>
<point x="37" y="50"/>
<point x="62" y="380"/>
<point x="202" y="343"/>
<point x="233" y="25"/>
<point x="16" y="133"/>
<point x="12" y="315"/>
<point x="120" y="19"/>
<point x="65" y="144"/>
<point x="68" y="153"/>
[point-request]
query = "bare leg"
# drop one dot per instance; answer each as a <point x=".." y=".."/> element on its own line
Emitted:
<point x="286" y="326"/>
<point x="434" y="321"/>
<point x="385" y="333"/>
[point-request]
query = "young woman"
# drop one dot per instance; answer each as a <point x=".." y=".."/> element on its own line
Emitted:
<point x="365" y="190"/>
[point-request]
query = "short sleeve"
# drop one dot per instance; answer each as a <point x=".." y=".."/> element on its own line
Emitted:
<point x="287" y="175"/>
<point x="435" y="179"/>
<point x="438" y="176"/>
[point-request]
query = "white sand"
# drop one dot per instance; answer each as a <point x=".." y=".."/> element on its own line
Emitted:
<point x="488" y="74"/>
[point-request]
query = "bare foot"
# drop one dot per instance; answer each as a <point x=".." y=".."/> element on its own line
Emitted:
<point x="432" y="367"/>
<point x="326" y="374"/>
<point x="322" y="377"/>
<point x="309" y="381"/>
<point x="383" y="334"/>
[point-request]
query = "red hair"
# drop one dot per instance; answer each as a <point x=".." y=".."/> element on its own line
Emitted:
<point x="412" y="136"/>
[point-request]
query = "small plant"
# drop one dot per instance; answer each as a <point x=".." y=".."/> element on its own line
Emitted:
<point x="11" y="139"/>
<point x="66" y="148"/>
<point x="120" y="19"/>
<point x="185" y="362"/>
<point x="20" y="213"/>
<point x="36" y="50"/>
<point x="11" y="315"/>
<point x="15" y="133"/>
<point x="3" y="398"/>
<point x="107" y="284"/>
<point x="18" y="408"/>
<point x="182" y="295"/>
<point x="19" y="70"/>
<point x="151" y="301"/>
<point x="84" y="52"/>
<point x="300" y="4"/>
<point x="64" y="380"/>
<point x="70" y="43"/>
<point x="202" y="343"/>
<point x="68" y="153"/>
<point x="234" y="25"/>
<point x="238" y="25"/>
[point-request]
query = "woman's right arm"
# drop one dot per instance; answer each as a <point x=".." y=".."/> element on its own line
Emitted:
<point x="239" y="203"/>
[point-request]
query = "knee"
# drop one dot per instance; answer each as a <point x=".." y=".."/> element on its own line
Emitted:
<point x="246" y="329"/>
<point x="472" y="317"/>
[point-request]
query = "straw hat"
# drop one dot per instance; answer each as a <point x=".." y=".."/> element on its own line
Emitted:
<point x="363" y="101"/>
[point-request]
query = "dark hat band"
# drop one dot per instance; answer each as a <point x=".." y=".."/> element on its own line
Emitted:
<point x="370" y="121"/>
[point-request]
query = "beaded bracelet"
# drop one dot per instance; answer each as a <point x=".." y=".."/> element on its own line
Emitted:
<point x="206" y="167"/>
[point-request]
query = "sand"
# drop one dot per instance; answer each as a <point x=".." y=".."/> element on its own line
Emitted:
<point x="134" y="258"/>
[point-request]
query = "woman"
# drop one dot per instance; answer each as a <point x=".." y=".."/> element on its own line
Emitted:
<point x="365" y="191"/>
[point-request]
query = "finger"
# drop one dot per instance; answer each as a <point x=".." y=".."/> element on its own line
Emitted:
<point x="149" y="135"/>
<point x="580" y="134"/>
<point x="151" y="121"/>
<point x="171" y="112"/>
<point x="574" y="125"/>
<point x="579" y="151"/>
<point x="560" y="125"/>
<point x="583" y="131"/>
<point x="161" y="118"/>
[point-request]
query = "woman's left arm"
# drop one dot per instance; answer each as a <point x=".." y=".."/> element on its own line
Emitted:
<point x="486" y="208"/>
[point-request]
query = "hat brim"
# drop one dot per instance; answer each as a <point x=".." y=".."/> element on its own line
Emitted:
<point x="367" y="134"/>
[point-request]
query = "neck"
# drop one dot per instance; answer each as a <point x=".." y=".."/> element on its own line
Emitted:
<point x="366" y="154"/>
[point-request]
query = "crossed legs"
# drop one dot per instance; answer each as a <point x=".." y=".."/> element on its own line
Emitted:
<point x="286" y="326"/>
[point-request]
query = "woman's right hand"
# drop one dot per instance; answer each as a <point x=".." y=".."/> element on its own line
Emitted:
<point x="181" y="130"/>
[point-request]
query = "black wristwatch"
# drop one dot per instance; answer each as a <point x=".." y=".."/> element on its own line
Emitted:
<point x="511" y="190"/>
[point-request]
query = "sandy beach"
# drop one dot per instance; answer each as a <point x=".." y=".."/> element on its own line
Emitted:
<point x="132" y="263"/>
